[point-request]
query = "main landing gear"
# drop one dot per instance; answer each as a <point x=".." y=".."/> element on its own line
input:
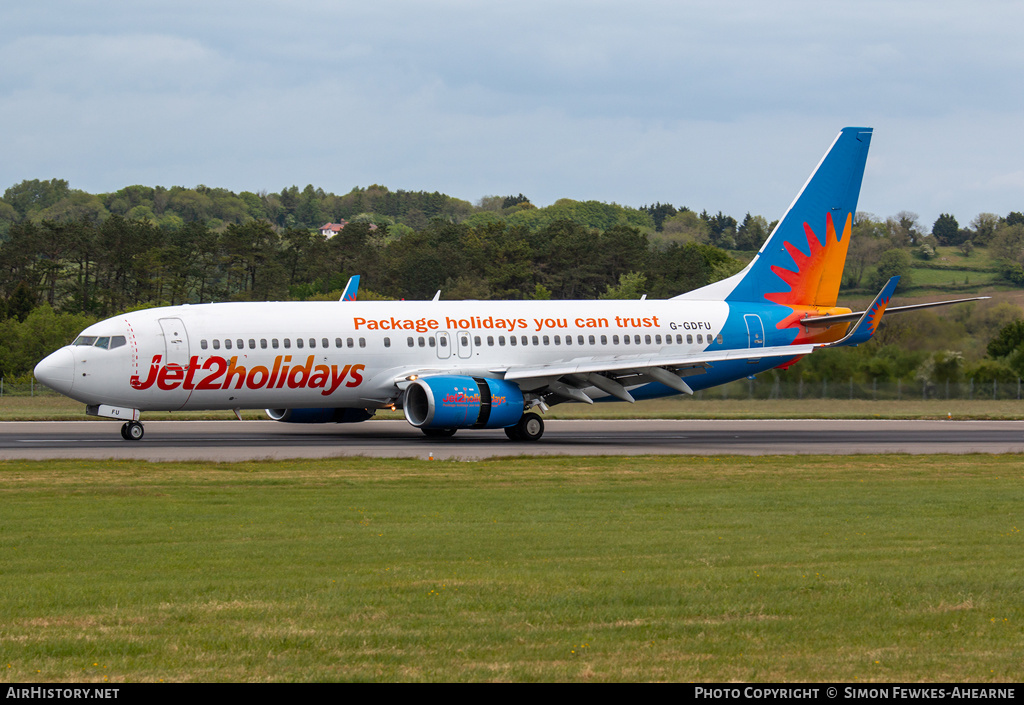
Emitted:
<point x="132" y="431"/>
<point x="529" y="428"/>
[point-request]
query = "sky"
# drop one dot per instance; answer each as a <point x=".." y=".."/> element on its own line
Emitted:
<point x="724" y="105"/>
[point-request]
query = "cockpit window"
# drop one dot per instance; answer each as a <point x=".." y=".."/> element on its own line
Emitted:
<point x="107" y="342"/>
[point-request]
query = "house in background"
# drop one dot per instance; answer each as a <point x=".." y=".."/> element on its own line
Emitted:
<point x="332" y="229"/>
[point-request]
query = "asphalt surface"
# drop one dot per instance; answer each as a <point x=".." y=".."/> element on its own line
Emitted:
<point x="246" y="440"/>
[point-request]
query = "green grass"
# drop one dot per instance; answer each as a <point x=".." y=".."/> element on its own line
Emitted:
<point x="867" y="568"/>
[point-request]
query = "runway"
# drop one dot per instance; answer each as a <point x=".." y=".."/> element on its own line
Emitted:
<point x="225" y="441"/>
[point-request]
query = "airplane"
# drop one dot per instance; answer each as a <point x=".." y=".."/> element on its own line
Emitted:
<point x="452" y="365"/>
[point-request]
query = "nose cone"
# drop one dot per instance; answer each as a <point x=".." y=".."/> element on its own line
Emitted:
<point x="57" y="371"/>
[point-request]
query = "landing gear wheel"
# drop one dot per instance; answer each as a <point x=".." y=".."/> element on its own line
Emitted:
<point x="132" y="431"/>
<point x="529" y="428"/>
<point x="513" y="433"/>
<point x="439" y="432"/>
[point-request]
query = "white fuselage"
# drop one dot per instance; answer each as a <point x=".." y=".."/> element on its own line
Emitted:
<point x="350" y="354"/>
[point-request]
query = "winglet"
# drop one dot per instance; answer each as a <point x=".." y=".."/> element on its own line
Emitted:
<point x="868" y="323"/>
<point x="351" y="289"/>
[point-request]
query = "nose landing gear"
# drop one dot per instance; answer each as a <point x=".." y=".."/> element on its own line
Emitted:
<point x="132" y="431"/>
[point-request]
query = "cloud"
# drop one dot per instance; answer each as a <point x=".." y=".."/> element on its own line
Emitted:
<point x="718" y="105"/>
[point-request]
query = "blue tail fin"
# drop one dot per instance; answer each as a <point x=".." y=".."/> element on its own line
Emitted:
<point x="801" y="262"/>
<point x="351" y="289"/>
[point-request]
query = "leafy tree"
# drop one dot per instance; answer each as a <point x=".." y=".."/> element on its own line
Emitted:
<point x="904" y="230"/>
<point x="946" y="230"/>
<point x="659" y="212"/>
<point x="510" y="201"/>
<point x="892" y="263"/>
<point x="983" y="228"/>
<point x="722" y="229"/>
<point x="35" y="195"/>
<point x="1009" y="339"/>
<point x="684" y="226"/>
<point x="752" y="233"/>
<point x="632" y="285"/>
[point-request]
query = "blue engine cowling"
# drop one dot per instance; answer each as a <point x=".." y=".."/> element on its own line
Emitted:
<point x="463" y="402"/>
<point x="320" y="415"/>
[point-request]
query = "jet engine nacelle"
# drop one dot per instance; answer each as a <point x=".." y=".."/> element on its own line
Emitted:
<point x="320" y="415"/>
<point x="463" y="402"/>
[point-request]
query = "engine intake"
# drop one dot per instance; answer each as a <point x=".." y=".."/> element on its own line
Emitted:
<point x="463" y="402"/>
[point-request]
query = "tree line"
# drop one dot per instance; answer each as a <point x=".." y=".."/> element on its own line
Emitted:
<point x="68" y="258"/>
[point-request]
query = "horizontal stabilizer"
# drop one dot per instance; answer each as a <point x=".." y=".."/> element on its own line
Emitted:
<point x="825" y="321"/>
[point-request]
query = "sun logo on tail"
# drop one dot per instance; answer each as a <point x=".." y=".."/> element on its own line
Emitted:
<point x="818" y="274"/>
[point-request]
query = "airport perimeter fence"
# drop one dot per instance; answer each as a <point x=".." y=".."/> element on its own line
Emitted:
<point x="875" y="390"/>
<point x="25" y="388"/>
<point x="763" y="387"/>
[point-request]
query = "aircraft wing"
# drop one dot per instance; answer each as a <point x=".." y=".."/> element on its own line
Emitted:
<point x="620" y="363"/>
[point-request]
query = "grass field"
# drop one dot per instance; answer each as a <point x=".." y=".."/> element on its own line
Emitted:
<point x="866" y="568"/>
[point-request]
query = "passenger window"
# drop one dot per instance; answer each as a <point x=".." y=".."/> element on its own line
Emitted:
<point x="387" y="342"/>
<point x="362" y="342"/>
<point x="636" y="339"/>
<point x="273" y="343"/>
<point x="227" y="344"/>
<point x="476" y="340"/>
<point x="647" y="339"/>
<point x="592" y="340"/>
<point x="604" y="340"/>
<point x="337" y="342"/>
<point x="579" y="339"/>
<point x="615" y="340"/>
<point x="547" y="340"/>
<point x="524" y="340"/>
<point x="625" y="340"/>
<point x="719" y="338"/>
<point x="421" y="340"/>
<point x="536" y="341"/>
<point x="657" y="339"/>
<point x="501" y="341"/>
<point x="325" y="343"/>
<point x="263" y="343"/>
<point x="240" y="344"/>
<point x="689" y="338"/>
<point x="568" y="340"/>
<point x="202" y="344"/>
<point x="351" y="343"/>
<point x="490" y="340"/>
<point x="298" y="343"/>
<point x="700" y="339"/>
<point x="513" y="341"/>
<point x="558" y="340"/>
<point x="410" y="342"/>
<point x="287" y="343"/>
<point x="216" y="344"/>
<point x="431" y="341"/>
<point x="252" y="343"/>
